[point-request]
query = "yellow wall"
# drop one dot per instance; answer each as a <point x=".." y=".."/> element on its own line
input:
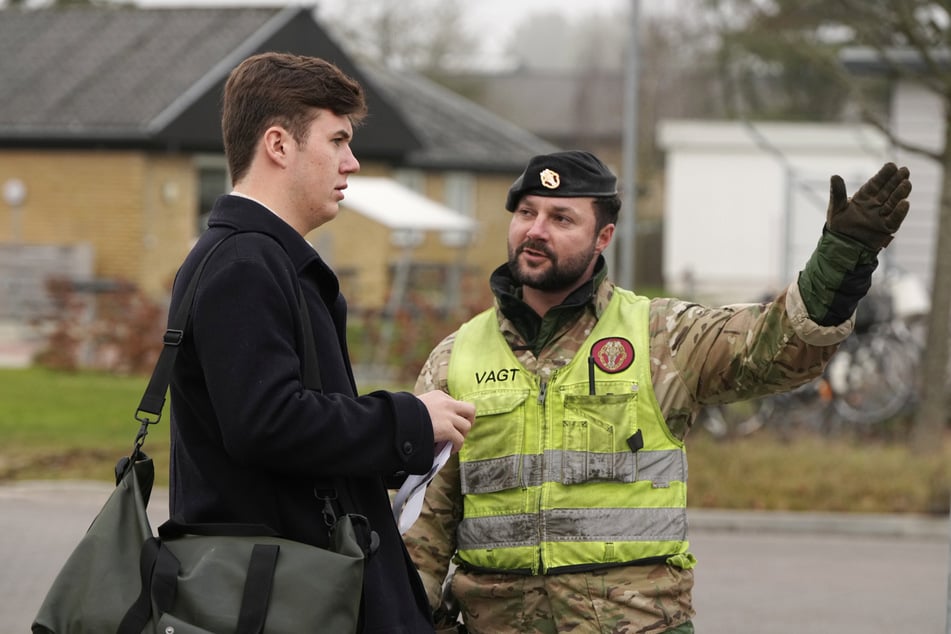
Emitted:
<point x="358" y="250"/>
<point x="112" y="200"/>
<point x="170" y="196"/>
<point x="489" y="249"/>
<point x="138" y="210"/>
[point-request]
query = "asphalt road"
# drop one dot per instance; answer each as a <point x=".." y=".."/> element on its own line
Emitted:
<point x="795" y="583"/>
<point x="758" y="573"/>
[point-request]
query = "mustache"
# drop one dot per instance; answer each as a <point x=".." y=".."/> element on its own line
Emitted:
<point x="535" y="245"/>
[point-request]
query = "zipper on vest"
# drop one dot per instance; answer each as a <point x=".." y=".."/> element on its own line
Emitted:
<point x="542" y="421"/>
<point x="542" y="391"/>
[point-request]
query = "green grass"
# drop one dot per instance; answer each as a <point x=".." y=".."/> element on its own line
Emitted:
<point x="56" y="425"/>
<point x="71" y="425"/>
<point x="815" y="473"/>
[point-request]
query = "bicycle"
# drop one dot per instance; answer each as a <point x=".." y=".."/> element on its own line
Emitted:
<point x="870" y="380"/>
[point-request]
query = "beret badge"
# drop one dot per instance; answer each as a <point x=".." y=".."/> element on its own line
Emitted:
<point x="549" y="179"/>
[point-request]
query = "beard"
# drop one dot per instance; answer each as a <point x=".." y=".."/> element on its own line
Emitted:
<point x="560" y="274"/>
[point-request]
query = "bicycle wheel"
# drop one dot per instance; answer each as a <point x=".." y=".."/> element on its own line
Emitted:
<point x="873" y="376"/>
<point x="803" y="408"/>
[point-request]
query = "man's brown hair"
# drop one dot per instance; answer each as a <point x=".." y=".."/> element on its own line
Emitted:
<point x="606" y="211"/>
<point x="282" y="89"/>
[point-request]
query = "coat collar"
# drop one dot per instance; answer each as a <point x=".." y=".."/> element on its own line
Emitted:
<point x="240" y="213"/>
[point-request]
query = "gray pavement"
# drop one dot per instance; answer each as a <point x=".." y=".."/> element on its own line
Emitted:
<point x="820" y="574"/>
<point x="762" y="573"/>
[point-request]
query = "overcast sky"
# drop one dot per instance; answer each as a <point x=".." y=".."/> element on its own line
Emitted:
<point x="494" y="20"/>
<point x="483" y="12"/>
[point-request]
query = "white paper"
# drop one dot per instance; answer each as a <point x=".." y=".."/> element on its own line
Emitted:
<point x="409" y="499"/>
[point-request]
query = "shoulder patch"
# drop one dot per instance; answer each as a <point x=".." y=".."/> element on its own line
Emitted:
<point x="613" y="354"/>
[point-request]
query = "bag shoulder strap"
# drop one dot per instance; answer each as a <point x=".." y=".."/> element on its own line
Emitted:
<point x="149" y="411"/>
<point x="154" y="398"/>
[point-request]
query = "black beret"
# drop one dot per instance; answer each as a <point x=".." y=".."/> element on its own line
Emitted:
<point x="563" y="175"/>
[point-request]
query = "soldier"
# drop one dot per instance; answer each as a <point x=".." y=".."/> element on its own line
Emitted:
<point x="565" y="509"/>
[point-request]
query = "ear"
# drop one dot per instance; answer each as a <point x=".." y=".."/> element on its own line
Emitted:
<point x="604" y="238"/>
<point x="277" y="144"/>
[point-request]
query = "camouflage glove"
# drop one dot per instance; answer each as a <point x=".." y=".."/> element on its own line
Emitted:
<point x="875" y="212"/>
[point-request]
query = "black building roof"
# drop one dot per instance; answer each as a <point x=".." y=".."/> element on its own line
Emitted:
<point x="152" y="78"/>
<point x="454" y="131"/>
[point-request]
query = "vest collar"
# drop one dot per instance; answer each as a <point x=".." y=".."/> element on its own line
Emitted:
<point x="538" y="331"/>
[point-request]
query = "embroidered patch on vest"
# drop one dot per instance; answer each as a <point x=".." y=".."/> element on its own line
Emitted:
<point x="613" y="354"/>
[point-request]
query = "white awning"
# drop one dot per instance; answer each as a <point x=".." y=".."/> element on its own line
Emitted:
<point x="400" y="208"/>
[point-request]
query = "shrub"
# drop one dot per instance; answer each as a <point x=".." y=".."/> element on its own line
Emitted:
<point x="107" y="326"/>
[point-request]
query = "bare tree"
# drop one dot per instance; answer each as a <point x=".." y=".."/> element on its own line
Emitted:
<point x="908" y="41"/>
<point x="52" y="4"/>
<point x="424" y="35"/>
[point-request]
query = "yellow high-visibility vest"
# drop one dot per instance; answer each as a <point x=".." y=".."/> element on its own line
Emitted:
<point x="572" y="471"/>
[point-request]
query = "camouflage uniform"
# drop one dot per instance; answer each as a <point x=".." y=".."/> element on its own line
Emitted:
<point x="698" y="355"/>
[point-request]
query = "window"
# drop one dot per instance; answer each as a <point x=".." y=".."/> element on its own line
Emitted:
<point x="460" y="188"/>
<point x="411" y="179"/>
<point x="213" y="181"/>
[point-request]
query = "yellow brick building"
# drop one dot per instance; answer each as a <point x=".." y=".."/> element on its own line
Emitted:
<point x="118" y="145"/>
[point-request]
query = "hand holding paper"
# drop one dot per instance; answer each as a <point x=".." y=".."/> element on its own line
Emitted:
<point x="451" y="419"/>
<point x="409" y="499"/>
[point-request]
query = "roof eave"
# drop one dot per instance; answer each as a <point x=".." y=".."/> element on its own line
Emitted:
<point x="868" y="60"/>
<point x="120" y="139"/>
<point x="220" y="71"/>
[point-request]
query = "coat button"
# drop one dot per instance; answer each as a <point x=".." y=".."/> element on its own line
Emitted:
<point x="407" y="447"/>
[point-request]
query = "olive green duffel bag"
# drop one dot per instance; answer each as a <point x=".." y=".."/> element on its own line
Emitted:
<point x="200" y="578"/>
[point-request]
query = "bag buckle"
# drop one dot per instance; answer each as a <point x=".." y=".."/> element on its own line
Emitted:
<point x="369" y="539"/>
<point x="173" y="337"/>
<point x="328" y="496"/>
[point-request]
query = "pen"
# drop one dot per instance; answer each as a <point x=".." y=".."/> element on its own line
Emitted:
<point x="591" y="375"/>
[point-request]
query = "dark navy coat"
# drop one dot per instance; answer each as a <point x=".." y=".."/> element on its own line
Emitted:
<point x="250" y="443"/>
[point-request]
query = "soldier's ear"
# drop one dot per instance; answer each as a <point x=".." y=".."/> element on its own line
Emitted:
<point x="605" y="234"/>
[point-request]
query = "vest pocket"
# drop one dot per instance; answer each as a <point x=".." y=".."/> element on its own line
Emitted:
<point x="594" y="440"/>
<point x="490" y="458"/>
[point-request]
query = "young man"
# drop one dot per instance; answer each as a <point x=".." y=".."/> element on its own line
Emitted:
<point x="566" y="507"/>
<point x="250" y="443"/>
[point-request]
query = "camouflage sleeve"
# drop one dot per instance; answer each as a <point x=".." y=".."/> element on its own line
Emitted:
<point x="702" y="355"/>
<point x="431" y="541"/>
<point x="435" y="372"/>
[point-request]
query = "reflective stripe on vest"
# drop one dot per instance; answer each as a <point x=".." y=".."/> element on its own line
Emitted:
<point x="658" y="467"/>
<point x="551" y="475"/>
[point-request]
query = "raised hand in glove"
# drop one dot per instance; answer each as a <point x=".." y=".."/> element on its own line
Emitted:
<point x="875" y="212"/>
